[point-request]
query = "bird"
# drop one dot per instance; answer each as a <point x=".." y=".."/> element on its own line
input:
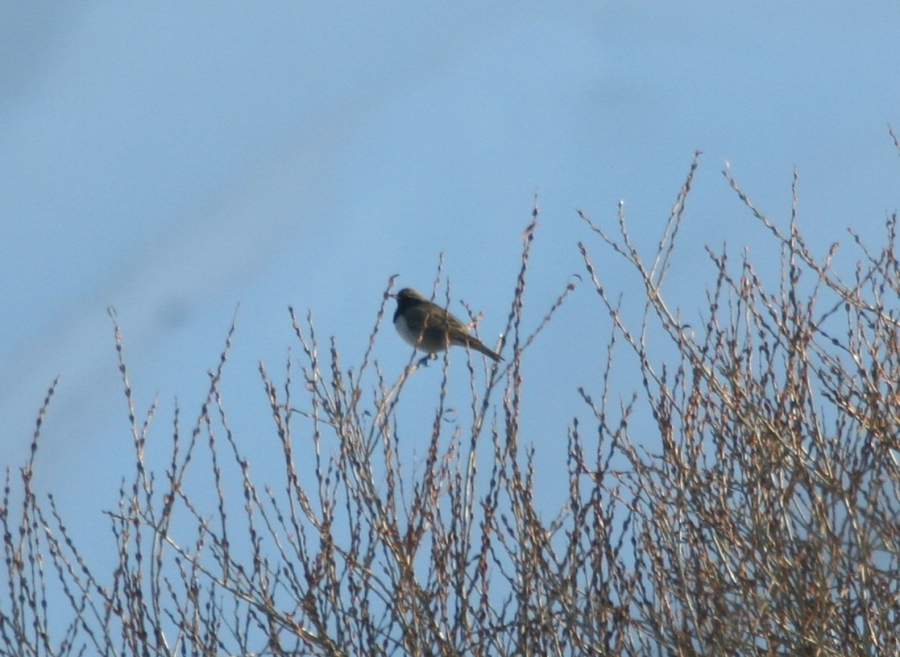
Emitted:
<point x="430" y="328"/>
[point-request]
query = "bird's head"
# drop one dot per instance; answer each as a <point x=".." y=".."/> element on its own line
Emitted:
<point x="408" y="296"/>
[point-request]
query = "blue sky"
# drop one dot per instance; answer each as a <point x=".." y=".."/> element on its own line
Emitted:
<point x="178" y="159"/>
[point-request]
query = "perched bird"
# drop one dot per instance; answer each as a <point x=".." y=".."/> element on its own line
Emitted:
<point x="430" y="328"/>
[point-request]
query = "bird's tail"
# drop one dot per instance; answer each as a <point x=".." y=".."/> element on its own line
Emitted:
<point x="477" y="345"/>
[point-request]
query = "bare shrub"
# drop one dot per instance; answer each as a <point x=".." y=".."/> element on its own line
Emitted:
<point x="766" y="523"/>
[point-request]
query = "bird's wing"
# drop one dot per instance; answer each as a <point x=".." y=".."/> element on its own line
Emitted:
<point x="437" y="319"/>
